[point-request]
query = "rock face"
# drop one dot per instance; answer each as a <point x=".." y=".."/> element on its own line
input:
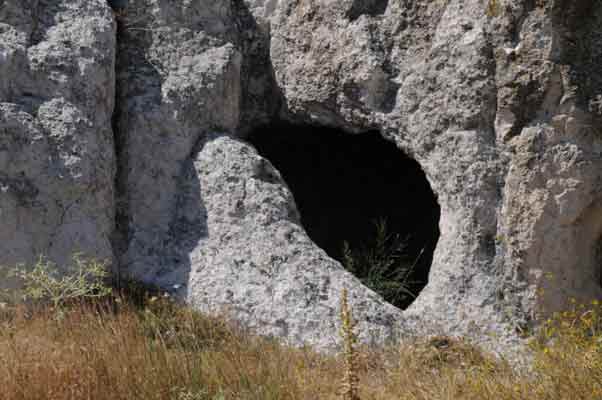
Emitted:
<point x="200" y="211"/>
<point x="56" y="144"/>
<point x="499" y="101"/>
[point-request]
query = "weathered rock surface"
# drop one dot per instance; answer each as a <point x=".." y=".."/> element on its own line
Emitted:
<point x="256" y="262"/>
<point x="500" y="102"/>
<point x="179" y="79"/>
<point x="202" y="212"/>
<point x="56" y="144"/>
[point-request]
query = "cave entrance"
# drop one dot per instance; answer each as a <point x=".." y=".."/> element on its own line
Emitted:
<point x="362" y="200"/>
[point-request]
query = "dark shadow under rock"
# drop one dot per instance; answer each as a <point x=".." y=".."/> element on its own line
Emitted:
<point x="345" y="184"/>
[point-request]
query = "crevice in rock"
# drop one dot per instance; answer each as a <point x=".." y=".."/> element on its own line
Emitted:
<point x="344" y="186"/>
<point x="367" y="7"/>
<point x="121" y="232"/>
<point x="118" y="5"/>
<point x="34" y="35"/>
<point x="579" y="35"/>
<point x="519" y="20"/>
<point x="261" y="99"/>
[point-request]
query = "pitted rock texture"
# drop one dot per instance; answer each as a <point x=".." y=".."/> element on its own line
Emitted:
<point x="202" y="213"/>
<point x="179" y="79"/>
<point x="500" y="102"/>
<point x="56" y="144"/>
<point x="256" y="262"/>
<point x="550" y="124"/>
<point x="495" y="102"/>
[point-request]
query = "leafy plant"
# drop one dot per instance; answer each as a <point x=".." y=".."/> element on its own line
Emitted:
<point x="384" y="267"/>
<point x="45" y="282"/>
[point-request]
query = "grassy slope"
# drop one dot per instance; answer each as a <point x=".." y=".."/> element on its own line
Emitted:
<point x="159" y="350"/>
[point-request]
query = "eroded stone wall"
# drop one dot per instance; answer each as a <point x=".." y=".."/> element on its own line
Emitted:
<point x="499" y="102"/>
<point x="57" y="82"/>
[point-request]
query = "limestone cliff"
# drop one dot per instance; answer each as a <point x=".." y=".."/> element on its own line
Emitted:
<point x="124" y="137"/>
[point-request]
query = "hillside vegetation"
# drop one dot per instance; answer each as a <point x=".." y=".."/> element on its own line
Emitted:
<point x="143" y="346"/>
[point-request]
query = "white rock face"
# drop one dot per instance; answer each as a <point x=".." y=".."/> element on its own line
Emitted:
<point x="56" y="144"/>
<point x="500" y="105"/>
<point x="256" y="262"/>
<point x="177" y="83"/>
<point x="510" y="140"/>
<point x="202" y="212"/>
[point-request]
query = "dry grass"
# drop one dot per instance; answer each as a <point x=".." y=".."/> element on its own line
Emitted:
<point x="161" y="351"/>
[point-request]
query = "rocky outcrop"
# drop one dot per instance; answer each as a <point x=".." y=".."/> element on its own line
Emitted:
<point x="202" y="213"/>
<point x="256" y="262"/>
<point x="549" y="122"/>
<point x="499" y="101"/>
<point x="179" y="80"/>
<point x="56" y="144"/>
<point x="423" y="73"/>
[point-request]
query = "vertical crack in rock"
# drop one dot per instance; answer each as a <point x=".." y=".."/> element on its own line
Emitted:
<point x="578" y="46"/>
<point x="261" y="99"/>
<point x="120" y="236"/>
<point x="178" y="80"/>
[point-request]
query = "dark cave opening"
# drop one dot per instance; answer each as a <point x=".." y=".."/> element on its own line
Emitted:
<point x="343" y="184"/>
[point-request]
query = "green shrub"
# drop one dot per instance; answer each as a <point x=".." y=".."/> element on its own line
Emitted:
<point x="384" y="266"/>
<point x="46" y="282"/>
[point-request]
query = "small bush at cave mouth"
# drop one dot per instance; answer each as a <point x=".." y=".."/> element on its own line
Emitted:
<point x="342" y="184"/>
<point x="385" y="266"/>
